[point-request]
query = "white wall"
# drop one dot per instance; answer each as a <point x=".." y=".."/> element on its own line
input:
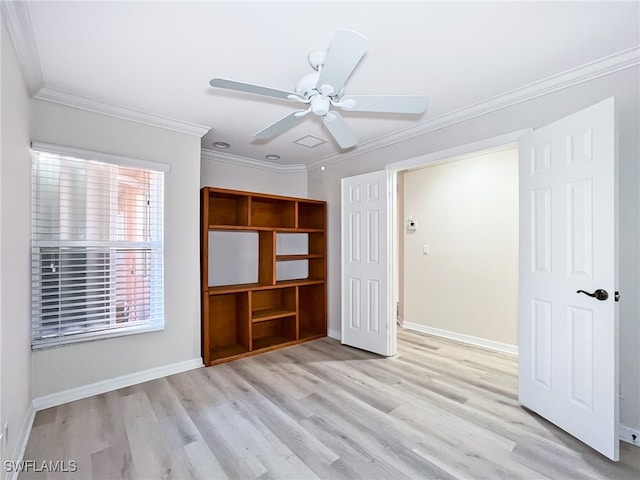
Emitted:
<point x="532" y="113"/>
<point x="15" y="280"/>
<point x="73" y="366"/>
<point x="222" y="173"/>
<point x="467" y="213"/>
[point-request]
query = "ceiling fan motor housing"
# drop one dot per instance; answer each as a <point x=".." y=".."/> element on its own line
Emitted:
<point x="320" y="105"/>
<point x="316" y="57"/>
<point x="307" y="85"/>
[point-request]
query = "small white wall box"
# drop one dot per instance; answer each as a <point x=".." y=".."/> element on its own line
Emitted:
<point x="411" y="223"/>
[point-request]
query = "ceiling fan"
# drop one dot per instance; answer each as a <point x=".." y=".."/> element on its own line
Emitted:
<point x="323" y="90"/>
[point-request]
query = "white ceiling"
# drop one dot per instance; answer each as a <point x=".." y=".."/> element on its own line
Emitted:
<point x="158" y="58"/>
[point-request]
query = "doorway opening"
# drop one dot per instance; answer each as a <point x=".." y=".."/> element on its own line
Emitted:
<point x="461" y="153"/>
<point x="458" y="248"/>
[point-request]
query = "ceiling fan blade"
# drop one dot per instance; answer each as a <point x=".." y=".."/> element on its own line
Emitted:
<point x="280" y="126"/>
<point x="345" y="52"/>
<point x="250" y="88"/>
<point x="385" y="103"/>
<point x="339" y="130"/>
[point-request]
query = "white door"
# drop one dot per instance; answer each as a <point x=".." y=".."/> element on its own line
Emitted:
<point x="568" y="341"/>
<point x="367" y="320"/>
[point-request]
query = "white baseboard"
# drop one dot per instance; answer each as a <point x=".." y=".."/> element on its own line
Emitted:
<point x="334" y="334"/>
<point x="460" y="337"/>
<point x="21" y="444"/>
<point x="627" y="434"/>
<point x="58" y="398"/>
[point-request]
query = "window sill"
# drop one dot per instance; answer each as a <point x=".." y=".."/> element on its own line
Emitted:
<point x="94" y="336"/>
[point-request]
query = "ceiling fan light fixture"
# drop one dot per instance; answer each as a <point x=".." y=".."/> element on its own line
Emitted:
<point x="320" y="105"/>
<point x="272" y="156"/>
<point x="221" y="144"/>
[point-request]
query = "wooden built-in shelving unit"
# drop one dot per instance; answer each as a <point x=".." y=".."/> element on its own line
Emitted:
<point x="249" y="318"/>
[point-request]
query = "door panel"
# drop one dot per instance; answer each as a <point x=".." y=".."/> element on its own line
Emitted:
<point x="366" y="320"/>
<point x="569" y="341"/>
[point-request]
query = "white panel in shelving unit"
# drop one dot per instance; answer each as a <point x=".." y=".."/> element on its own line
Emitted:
<point x="292" y="244"/>
<point x="292" y="270"/>
<point x="233" y="258"/>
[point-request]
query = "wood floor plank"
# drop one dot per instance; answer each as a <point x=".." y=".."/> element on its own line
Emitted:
<point x="203" y="463"/>
<point x="394" y="445"/>
<point x="355" y="456"/>
<point x="111" y="453"/>
<point x="175" y="423"/>
<point x="197" y="397"/>
<point x="289" y="431"/>
<point x="73" y="422"/>
<point x="285" y="466"/>
<point x="152" y="456"/>
<point x="437" y="410"/>
<point x="40" y="442"/>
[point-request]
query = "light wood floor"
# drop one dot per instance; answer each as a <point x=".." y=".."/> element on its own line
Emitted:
<point x="438" y="410"/>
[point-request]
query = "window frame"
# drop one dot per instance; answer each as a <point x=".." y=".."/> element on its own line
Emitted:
<point x="38" y="343"/>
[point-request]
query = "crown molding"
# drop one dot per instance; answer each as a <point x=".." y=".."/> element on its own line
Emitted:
<point x="237" y="160"/>
<point x="84" y="103"/>
<point x="18" y="21"/>
<point x="16" y="14"/>
<point x="590" y="71"/>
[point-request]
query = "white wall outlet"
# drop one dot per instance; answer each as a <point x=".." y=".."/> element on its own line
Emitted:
<point x="425" y="249"/>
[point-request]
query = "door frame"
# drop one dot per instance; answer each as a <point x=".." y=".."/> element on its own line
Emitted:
<point x="422" y="161"/>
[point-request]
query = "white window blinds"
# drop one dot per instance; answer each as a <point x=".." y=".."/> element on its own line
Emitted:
<point x="96" y="249"/>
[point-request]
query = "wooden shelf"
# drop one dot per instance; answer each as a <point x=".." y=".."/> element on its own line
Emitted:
<point x="266" y="342"/>
<point x="311" y="215"/>
<point x="272" y="212"/>
<point x="286" y="258"/>
<point x="298" y="230"/>
<point x="307" y="335"/>
<point x="251" y="287"/>
<point x="239" y="320"/>
<point x="217" y="353"/>
<point x="298" y="283"/>
<point x="223" y="227"/>
<point x="227" y="208"/>
<point x="243" y="287"/>
<point x="271" y="314"/>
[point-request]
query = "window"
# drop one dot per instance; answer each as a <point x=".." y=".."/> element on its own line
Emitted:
<point x="96" y="246"/>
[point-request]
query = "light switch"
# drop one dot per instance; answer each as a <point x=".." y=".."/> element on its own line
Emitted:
<point x="425" y="249"/>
